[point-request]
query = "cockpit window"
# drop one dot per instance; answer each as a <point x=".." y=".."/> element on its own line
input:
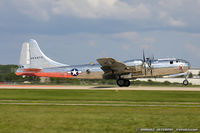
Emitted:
<point x="171" y="62"/>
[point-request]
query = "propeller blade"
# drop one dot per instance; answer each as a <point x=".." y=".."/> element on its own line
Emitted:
<point x="144" y="63"/>
<point x="144" y="59"/>
<point x="150" y="61"/>
<point x="152" y="57"/>
<point x="149" y="65"/>
<point x="145" y="70"/>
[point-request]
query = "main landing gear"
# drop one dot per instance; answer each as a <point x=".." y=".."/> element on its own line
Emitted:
<point x="123" y="83"/>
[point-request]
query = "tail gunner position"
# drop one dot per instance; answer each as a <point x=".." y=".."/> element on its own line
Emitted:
<point x="33" y="62"/>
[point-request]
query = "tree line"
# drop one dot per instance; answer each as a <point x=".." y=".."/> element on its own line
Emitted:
<point x="7" y="74"/>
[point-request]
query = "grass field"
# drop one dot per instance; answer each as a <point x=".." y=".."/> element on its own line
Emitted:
<point x="96" y="111"/>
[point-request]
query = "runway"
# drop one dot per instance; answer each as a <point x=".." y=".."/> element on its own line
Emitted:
<point x="70" y="87"/>
<point x="99" y="103"/>
<point x="109" y="105"/>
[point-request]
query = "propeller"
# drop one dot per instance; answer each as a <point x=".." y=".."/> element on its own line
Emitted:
<point x="149" y="63"/>
<point x="144" y="63"/>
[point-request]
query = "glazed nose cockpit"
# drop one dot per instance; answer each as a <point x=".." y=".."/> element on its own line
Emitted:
<point x="185" y="64"/>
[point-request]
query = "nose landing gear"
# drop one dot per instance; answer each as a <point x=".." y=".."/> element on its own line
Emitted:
<point x="123" y="83"/>
<point x="186" y="82"/>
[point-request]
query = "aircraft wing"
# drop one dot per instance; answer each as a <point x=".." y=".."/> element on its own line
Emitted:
<point x="110" y="65"/>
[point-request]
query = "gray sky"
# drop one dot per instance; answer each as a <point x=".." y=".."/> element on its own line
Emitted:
<point x="80" y="31"/>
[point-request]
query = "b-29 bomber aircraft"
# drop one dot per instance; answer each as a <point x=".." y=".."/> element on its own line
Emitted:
<point x="33" y="62"/>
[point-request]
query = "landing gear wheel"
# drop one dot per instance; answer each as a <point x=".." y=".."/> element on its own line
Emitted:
<point x="123" y="83"/>
<point x="185" y="82"/>
<point x="127" y="83"/>
<point x="120" y="82"/>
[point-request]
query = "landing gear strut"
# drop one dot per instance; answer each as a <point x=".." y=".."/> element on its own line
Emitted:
<point x="123" y="83"/>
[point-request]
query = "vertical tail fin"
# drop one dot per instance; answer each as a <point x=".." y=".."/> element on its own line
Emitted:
<point x="33" y="57"/>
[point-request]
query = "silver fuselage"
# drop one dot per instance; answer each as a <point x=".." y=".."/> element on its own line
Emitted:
<point x="160" y="67"/>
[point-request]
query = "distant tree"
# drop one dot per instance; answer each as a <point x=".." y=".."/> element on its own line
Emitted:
<point x="7" y="74"/>
<point x="199" y="73"/>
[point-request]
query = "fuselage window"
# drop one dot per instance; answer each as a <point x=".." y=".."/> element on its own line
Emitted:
<point x="171" y="62"/>
<point x="39" y="57"/>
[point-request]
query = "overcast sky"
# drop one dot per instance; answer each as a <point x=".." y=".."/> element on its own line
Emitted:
<point x="80" y="31"/>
